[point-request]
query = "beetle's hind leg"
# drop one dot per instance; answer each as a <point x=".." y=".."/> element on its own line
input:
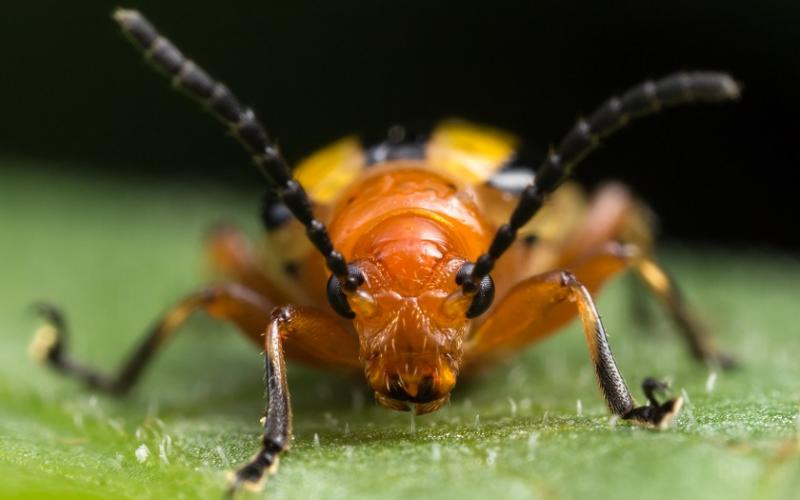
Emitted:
<point x="232" y="302"/>
<point x="701" y="343"/>
<point x="615" y="215"/>
<point x="637" y="229"/>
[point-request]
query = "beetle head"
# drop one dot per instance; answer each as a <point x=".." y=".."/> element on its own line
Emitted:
<point x="410" y="317"/>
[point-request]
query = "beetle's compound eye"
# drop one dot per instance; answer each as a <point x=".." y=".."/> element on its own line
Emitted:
<point x="337" y="297"/>
<point x="483" y="296"/>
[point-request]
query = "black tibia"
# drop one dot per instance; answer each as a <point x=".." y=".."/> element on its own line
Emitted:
<point x="235" y="303"/>
<point x="278" y="421"/>
<point x="243" y="124"/>
<point x="641" y="100"/>
<point x="612" y="384"/>
<point x="701" y="343"/>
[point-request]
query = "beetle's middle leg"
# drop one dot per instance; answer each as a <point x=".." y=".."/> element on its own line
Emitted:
<point x="245" y="308"/>
<point x="538" y="305"/>
<point x="322" y="341"/>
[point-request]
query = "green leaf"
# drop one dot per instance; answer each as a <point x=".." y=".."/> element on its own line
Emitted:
<point x="114" y="253"/>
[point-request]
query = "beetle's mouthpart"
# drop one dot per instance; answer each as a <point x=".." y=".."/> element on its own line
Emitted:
<point x="392" y="404"/>
<point x="419" y="408"/>
<point x="424" y="383"/>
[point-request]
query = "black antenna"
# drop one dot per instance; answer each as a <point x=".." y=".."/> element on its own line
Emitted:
<point x="243" y="124"/>
<point x="641" y="100"/>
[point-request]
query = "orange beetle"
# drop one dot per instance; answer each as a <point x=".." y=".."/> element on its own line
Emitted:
<point x="408" y="237"/>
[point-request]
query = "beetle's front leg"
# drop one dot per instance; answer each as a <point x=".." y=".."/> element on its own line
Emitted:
<point x="278" y="421"/>
<point x="609" y="377"/>
<point x="542" y="303"/>
<point x="305" y="328"/>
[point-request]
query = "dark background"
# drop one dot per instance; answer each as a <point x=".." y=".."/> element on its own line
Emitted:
<point x="74" y="91"/>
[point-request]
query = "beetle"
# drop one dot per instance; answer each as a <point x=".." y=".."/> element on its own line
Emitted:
<point x="386" y="259"/>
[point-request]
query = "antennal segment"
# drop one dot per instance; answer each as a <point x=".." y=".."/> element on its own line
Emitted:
<point x="215" y="97"/>
<point x="641" y="100"/>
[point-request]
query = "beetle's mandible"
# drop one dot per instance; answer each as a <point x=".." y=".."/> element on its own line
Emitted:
<point x="418" y="259"/>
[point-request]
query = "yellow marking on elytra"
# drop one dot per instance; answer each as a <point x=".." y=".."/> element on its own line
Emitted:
<point x="325" y="173"/>
<point x="469" y="152"/>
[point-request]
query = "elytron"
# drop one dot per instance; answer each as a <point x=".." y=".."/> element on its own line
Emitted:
<point x="416" y="261"/>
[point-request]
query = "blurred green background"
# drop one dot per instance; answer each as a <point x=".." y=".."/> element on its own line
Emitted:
<point x="108" y="181"/>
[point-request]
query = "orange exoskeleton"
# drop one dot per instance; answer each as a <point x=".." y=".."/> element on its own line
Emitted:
<point x="386" y="259"/>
